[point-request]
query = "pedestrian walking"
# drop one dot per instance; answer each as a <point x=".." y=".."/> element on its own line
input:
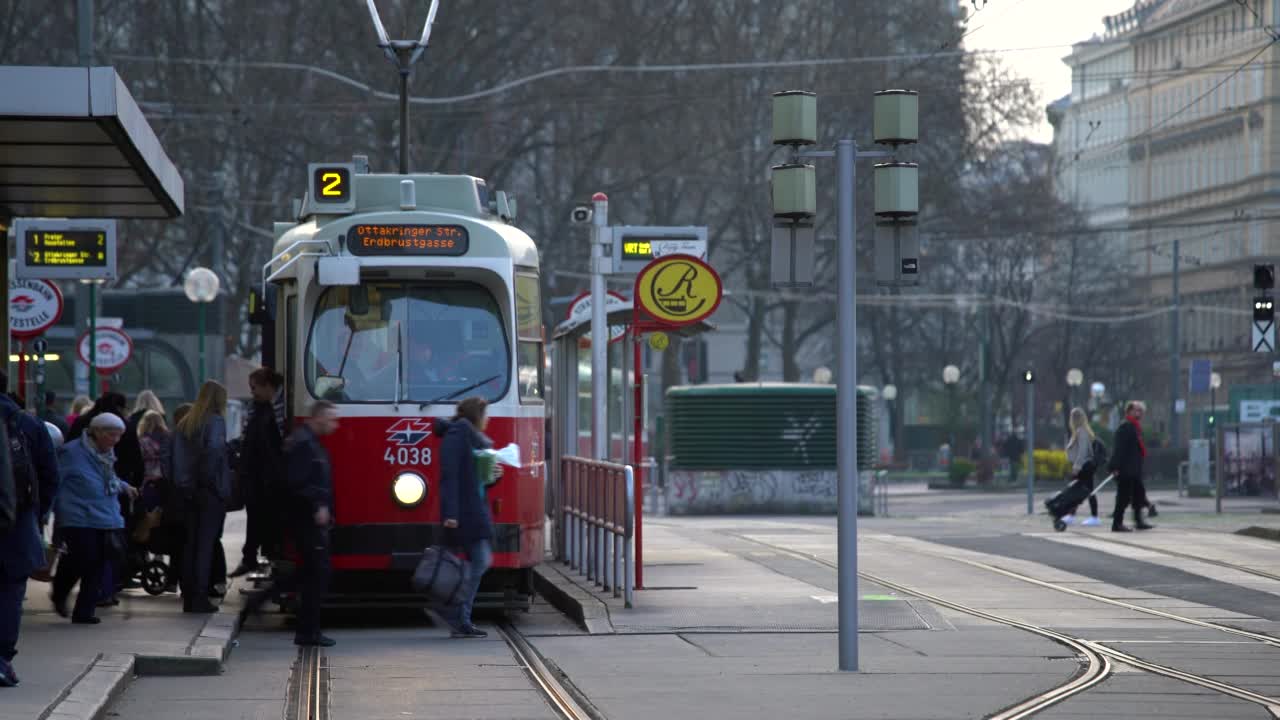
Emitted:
<point x="1126" y="463"/>
<point x="310" y="482"/>
<point x="1013" y="450"/>
<point x="202" y="478"/>
<point x="261" y="465"/>
<point x="468" y="524"/>
<point x="1080" y="451"/>
<point x="50" y="414"/>
<point x="87" y="514"/>
<point x="29" y="477"/>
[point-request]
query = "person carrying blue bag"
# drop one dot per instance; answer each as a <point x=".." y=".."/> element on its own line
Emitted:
<point x="467" y="522"/>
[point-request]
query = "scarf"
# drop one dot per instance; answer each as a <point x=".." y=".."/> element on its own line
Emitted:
<point x="1137" y="426"/>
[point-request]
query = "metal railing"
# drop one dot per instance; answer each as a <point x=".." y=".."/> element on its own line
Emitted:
<point x="599" y="520"/>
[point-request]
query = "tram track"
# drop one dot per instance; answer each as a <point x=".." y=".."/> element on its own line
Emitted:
<point x="308" y="693"/>
<point x="1096" y="658"/>
<point x="563" y="701"/>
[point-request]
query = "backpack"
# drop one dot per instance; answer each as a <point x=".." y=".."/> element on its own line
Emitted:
<point x="8" y="491"/>
<point x="23" y="467"/>
<point x="1099" y="453"/>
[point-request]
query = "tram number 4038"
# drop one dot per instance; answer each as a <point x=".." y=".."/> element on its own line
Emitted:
<point x="407" y="456"/>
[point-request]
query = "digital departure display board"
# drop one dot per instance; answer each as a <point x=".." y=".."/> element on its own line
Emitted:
<point x="66" y="248"/>
<point x="53" y="249"/>
<point x="379" y="239"/>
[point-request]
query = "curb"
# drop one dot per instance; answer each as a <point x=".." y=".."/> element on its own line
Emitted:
<point x="88" y="697"/>
<point x="566" y="595"/>
<point x="206" y="653"/>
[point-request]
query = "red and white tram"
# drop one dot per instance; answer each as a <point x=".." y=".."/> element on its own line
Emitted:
<point x="395" y="296"/>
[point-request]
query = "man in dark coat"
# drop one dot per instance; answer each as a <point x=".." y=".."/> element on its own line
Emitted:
<point x="310" y="481"/>
<point x="463" y="508"/>
<point x="1013" y="449"/>
<point x="51" y="415"/>
<point x="21" y="549"/>
<point x="261" y="461"/>
<point x="1126" y="463"/>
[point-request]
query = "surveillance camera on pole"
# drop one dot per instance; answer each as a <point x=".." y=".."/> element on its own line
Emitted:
<point x="794" y="189"/>
<point x="896" y="123"/>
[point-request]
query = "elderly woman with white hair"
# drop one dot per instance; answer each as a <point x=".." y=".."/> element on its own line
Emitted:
<point x="88" y="512"/>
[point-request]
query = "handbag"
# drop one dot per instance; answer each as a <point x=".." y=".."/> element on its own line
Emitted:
<point x="52" y="554"/>
<point x="441" y="575"/>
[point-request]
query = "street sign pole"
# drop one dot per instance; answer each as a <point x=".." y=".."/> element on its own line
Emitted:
<point x="1031" y="447"/>
<point x="93" y="345"/>
<point x="599" y="330"/>
<point x="846" y="405"/>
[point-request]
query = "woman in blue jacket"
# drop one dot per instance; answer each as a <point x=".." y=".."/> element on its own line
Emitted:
<point x="87" y="510"/>
<point x="467" y="522"/>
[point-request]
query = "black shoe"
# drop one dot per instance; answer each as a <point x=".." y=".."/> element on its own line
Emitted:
<point x="1117" y="527"/>
<point x="8" y="678"/>
<point x="1151" y="511"/>
<point x="244" y="568"/>
<point x="201" y="608"/>
<point x="60" y="606"/>
<point x="109" y="602"/>
<point x="86" y="620"/>
<point x="1142" y="525"/>
<point x="314" y="641"/>
<point x="468" y="631"/>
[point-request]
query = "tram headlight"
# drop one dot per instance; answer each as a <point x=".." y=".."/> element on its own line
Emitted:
<point x="409" y="489"/>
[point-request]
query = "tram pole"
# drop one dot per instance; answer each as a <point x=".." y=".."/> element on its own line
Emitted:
<point x="847" y="404"/>
<point x="599" y="329"/>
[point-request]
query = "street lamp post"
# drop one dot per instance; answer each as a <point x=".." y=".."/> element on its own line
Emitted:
<point x="201" y="287"/>
<point x="890" y="393"/>
<point x="950" y="376"/>
<point x="1074" y="379"/>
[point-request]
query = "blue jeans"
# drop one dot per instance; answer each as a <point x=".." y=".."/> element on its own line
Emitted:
<point x="480" y="559"/>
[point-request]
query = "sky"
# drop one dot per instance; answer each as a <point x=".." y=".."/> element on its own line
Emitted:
<point x="1005" y="24"/>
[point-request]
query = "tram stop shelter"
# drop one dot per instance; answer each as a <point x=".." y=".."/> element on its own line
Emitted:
<point x="571" y="397"/>
<point x="74" y="144"/>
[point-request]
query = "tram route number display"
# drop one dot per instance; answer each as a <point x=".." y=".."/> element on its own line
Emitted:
<point x="407" y="456"/>
<point x="408" y="240"/>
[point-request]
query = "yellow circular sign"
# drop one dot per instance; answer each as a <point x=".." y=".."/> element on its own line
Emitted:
<point x="659" y="341"/>
<point x="678" y="290"/>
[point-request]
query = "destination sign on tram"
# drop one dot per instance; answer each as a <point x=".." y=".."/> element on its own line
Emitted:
<point x="380" y="239"/>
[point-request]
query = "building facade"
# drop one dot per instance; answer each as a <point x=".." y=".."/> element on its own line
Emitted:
<point x="1177" y="106"/>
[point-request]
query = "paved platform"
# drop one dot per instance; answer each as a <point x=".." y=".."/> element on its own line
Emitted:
<point x="72" y="671"/>
<point x="750" y="631"/>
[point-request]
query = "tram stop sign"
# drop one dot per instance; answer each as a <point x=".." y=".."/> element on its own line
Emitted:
<point x="580" y="311"/>
<point x="678" y="290"/>
<point x="34" y="307"/>
<point x="114" y="348"/>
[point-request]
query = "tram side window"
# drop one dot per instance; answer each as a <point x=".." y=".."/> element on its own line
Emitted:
<point x="529" y="362"/>
<point x="396" y="341"/>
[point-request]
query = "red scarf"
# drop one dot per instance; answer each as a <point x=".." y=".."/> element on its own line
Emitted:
<point x="1142" y="447"/>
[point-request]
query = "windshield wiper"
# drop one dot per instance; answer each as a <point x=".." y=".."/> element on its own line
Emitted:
<point x="399" y="362"/>
<point x="456" y="393"/>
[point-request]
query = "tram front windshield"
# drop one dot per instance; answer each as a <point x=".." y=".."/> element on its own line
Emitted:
<point x="407" y="342"/>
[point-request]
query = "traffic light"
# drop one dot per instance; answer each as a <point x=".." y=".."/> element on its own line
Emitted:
<point x="1264" y="309"/>
<point x="1028" y="376"/>
<point x="1264" y="277"/>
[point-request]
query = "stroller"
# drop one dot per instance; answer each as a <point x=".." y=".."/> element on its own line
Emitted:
<point x="154" y="540"/>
